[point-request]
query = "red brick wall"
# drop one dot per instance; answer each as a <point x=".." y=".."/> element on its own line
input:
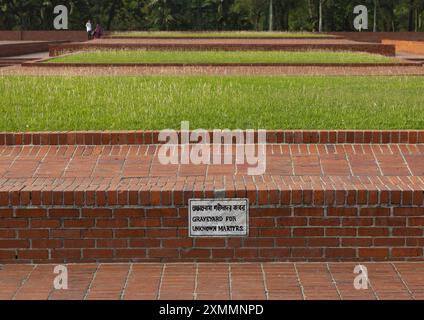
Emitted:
<point x="56" y="35"/>
<point x="44" y="234"/>
<point x="22" y="48"/>
<point x="6" y="35"/>
<point x="379" y="36"/>
<point x="407" y="46"/>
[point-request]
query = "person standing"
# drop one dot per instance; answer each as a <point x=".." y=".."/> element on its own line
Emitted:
<point x="89" y="28"/>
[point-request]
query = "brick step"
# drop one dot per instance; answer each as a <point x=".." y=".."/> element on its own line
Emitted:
<point x="15" y="60"/>
<point x="315" y="202"/>
<point x="415" y="60"/>
<point x="147" y="137"/>
<point x="14" y="48"/>
<point x="411" y="47"/>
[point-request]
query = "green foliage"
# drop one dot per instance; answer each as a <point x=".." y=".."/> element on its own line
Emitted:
<point x="220" y="57"/>
<point x="217" y="34"/>
<point x="392" y="15"/>
<point x="130" y="103"/>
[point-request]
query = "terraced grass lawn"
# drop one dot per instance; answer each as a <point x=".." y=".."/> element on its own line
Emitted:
<point x="221" y="57"/>
<point x="157" y="102"/>
<point x="228" y="34"/>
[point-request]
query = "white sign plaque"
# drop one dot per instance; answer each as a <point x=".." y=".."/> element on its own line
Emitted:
<point x="218" y="217"/>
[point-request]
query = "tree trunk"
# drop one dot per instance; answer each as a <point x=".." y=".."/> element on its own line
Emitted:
<point x="258" y="18"/>
<point x="416" y="19"/>
<point x="271" y="17"/>
<point x="375" y="16"/>
<point x="411" y="15"/>
<point x="286" y="19"/>
<point x="222" y="16"/>
<point x="312" y="13"/>
<point x="320" y="16"/>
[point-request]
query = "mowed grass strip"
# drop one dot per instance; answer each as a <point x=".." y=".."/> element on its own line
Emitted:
<point x="220" y="57"/>
<point x="224" y="34"/>
<point x="158" y="102"/>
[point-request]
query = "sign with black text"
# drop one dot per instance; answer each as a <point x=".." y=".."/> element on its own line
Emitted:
<point x="218" y="217"/>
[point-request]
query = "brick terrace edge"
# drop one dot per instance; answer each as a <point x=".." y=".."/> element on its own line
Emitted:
<point x="148" y="137"/>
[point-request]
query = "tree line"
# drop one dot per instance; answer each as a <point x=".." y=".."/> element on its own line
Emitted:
<point x="202" y="15"/>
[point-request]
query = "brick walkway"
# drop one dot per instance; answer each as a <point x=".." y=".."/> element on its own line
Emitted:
<point x="393" y="167"/>
<point x="66" y="170"/>
<point x="214" y="281"/>
<point x="117" y="162"/>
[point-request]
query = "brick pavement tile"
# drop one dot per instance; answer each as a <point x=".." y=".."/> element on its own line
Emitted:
<point x="363" y="165"/>
<point x="416" y="164"/>
<point x="247" y="282"/>
<point x="221" y="170"/>
<point x="393" y="165"/>
<point x="78" y="167"/>
<point x="279" y="165"/>
<point x="307" y="165"/>
<point x="316" y="282"/>
<point x="108" y="167"/>
<point x="108" y="282"/>
<point x="38" y="285"/>
<point x="22" y="169"/>
<point x="143" y="282"/>
<point x="281" y="281"/>
<point x="344" y="276"/>
<point x="412" y="276"/>
<point x="335" y="165"/>
<point x="135" y="168"/>
<point x="386" y="282"/>
<point x="11" y="279"/>
<point x="212" y="282"/>
<point x="159" y="170"/>
<point x="80" y="277"/>
<point x="53" y="167"/>
<point x="192" y="170"/>
<point x="178" y="282"/>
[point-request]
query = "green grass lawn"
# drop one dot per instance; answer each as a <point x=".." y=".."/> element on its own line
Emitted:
<point x="216" y="57"/>
<point x="228" y="34"/>
<point x="157" y="102"/>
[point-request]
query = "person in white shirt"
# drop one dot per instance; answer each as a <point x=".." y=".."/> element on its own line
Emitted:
<point x="89" y="28"/>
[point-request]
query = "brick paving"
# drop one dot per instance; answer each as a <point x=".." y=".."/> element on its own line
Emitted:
<point x="138" y="161"/>
<point x="399" y="166"/>
<point x="201" y="281"/>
